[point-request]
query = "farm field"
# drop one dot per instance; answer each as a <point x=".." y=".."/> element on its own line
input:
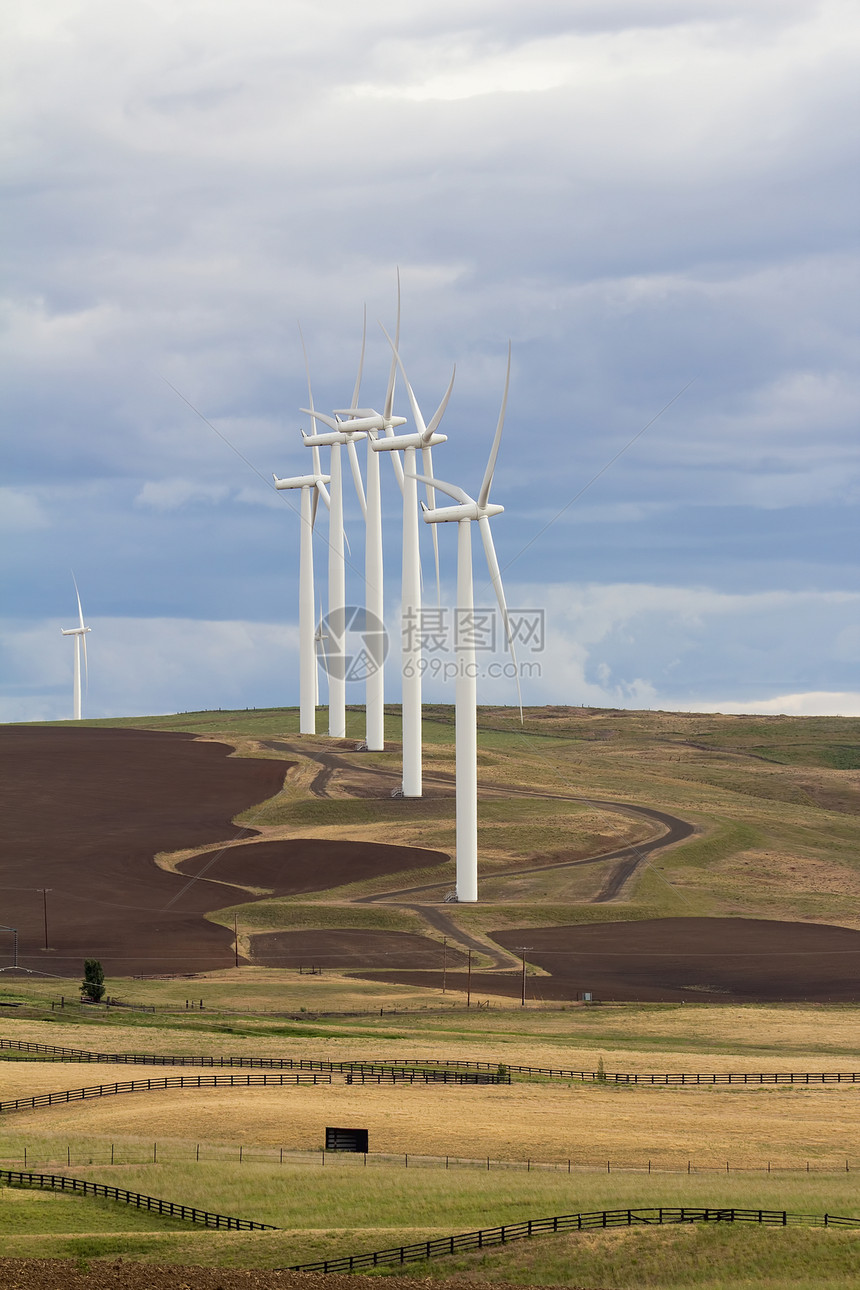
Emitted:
<point x="332" y="942"/>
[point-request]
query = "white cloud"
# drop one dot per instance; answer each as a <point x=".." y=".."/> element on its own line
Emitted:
<point x="20" y="511"/>
<point x="815" y="704"/>
<point x="669" y="193"/>
<point x="146" y="666"/>
<point x="170" y="494"/>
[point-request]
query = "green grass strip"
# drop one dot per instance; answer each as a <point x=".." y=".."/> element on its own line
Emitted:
<point x="152" y="1204"/>
<point x="486" y="1237"/>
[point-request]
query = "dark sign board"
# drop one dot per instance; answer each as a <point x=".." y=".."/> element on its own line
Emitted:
<point x="346" y="1139"/>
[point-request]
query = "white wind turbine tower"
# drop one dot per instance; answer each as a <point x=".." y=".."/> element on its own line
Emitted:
<point x="313" y="487"/>
<point x="424" y="439"/>
<point x="80" y="635"/>
<point x="342" y="432"/>
<point x="376" y="423"/>
<point x="464" y="515"/>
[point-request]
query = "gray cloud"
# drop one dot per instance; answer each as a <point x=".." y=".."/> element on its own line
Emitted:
<point x="636" y="194"/>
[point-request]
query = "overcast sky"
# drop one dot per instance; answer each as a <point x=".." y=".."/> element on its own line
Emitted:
<point x="640" y="194"/>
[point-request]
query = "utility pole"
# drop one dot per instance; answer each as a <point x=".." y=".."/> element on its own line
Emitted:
<point x="522" y="951"/>
<point x="444" y="962"/>
<point x="44" y="891"/>
<point x="235" y="941"/>
<point x="469" y="982"/>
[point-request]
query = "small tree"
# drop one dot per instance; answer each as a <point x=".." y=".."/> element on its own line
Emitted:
<point x="93" y="984"/>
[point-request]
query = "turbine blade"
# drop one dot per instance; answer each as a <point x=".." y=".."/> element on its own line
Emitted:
<point x="392" y="373"/>
<point x="494" y="451"/>
<point x="496" y="579"/>
<point x="451" y="489"/>
<point x="315" y="459"/>
<point x="78" y="594"/>
<point x="310" y="391"/>
<point x="396" y="463"/>
<point x="440" y="411"/>
<point x="427" y="458"/>
<point x="357" y="389"/>
<point x="356" y="475"/>
<point x="324" y="494"/>
<point x="315" y="501"/>
<point x="83" y="641"/>
<point x="413" y="402"/>
<point x="320" y="416"/>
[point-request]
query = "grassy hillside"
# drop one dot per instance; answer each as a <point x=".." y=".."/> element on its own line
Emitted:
<point x="776" y="800"/>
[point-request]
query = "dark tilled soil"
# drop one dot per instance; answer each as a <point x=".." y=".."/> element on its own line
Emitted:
<point x="346" y="948"/>
<point x="296" y="865"/>
<point x="59" y="1274"/>
<point x="84" y="811"/>
<point x="728" y="960"/>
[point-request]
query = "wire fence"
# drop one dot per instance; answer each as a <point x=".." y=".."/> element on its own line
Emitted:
<point x="488" y="1237"/>
<point x="99" y="1152"/>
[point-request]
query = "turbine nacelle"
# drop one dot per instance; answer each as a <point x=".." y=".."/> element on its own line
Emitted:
<point x="74" y="631"/>
<point x="454" y="514"/>
<point x="301" y="481"/>
<point x="341" y="431"/>
<point x="398" y="442"/>
<point x="367" y="419"/>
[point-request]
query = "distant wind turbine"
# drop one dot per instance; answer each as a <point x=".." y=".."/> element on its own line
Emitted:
<point x="80" y="635"/>
<point x="313" y="488"/>
<point x="423" y="440"/>
<point x="464" y="514"/>
<point x="342" y="432"/>
<point x="376" y="423"/>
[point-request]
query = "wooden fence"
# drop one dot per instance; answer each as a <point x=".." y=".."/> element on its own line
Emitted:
<point x="488" y="1237"/>
<point x="51" y="1052"/>
<point x="262" y="1080"/>
<point x="153" y="1205"/>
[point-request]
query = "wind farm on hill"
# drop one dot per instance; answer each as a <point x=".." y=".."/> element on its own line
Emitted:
<point x="524" y="900"/>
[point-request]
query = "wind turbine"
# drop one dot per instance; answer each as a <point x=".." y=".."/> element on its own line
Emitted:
<point x="464" y="514"/>
<point x="376" y="423"/>
<point x="424" y="439"/>
<point x="80" y="635"/>
<point x="313" y="487"/>
<point x="342" y="432"/>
